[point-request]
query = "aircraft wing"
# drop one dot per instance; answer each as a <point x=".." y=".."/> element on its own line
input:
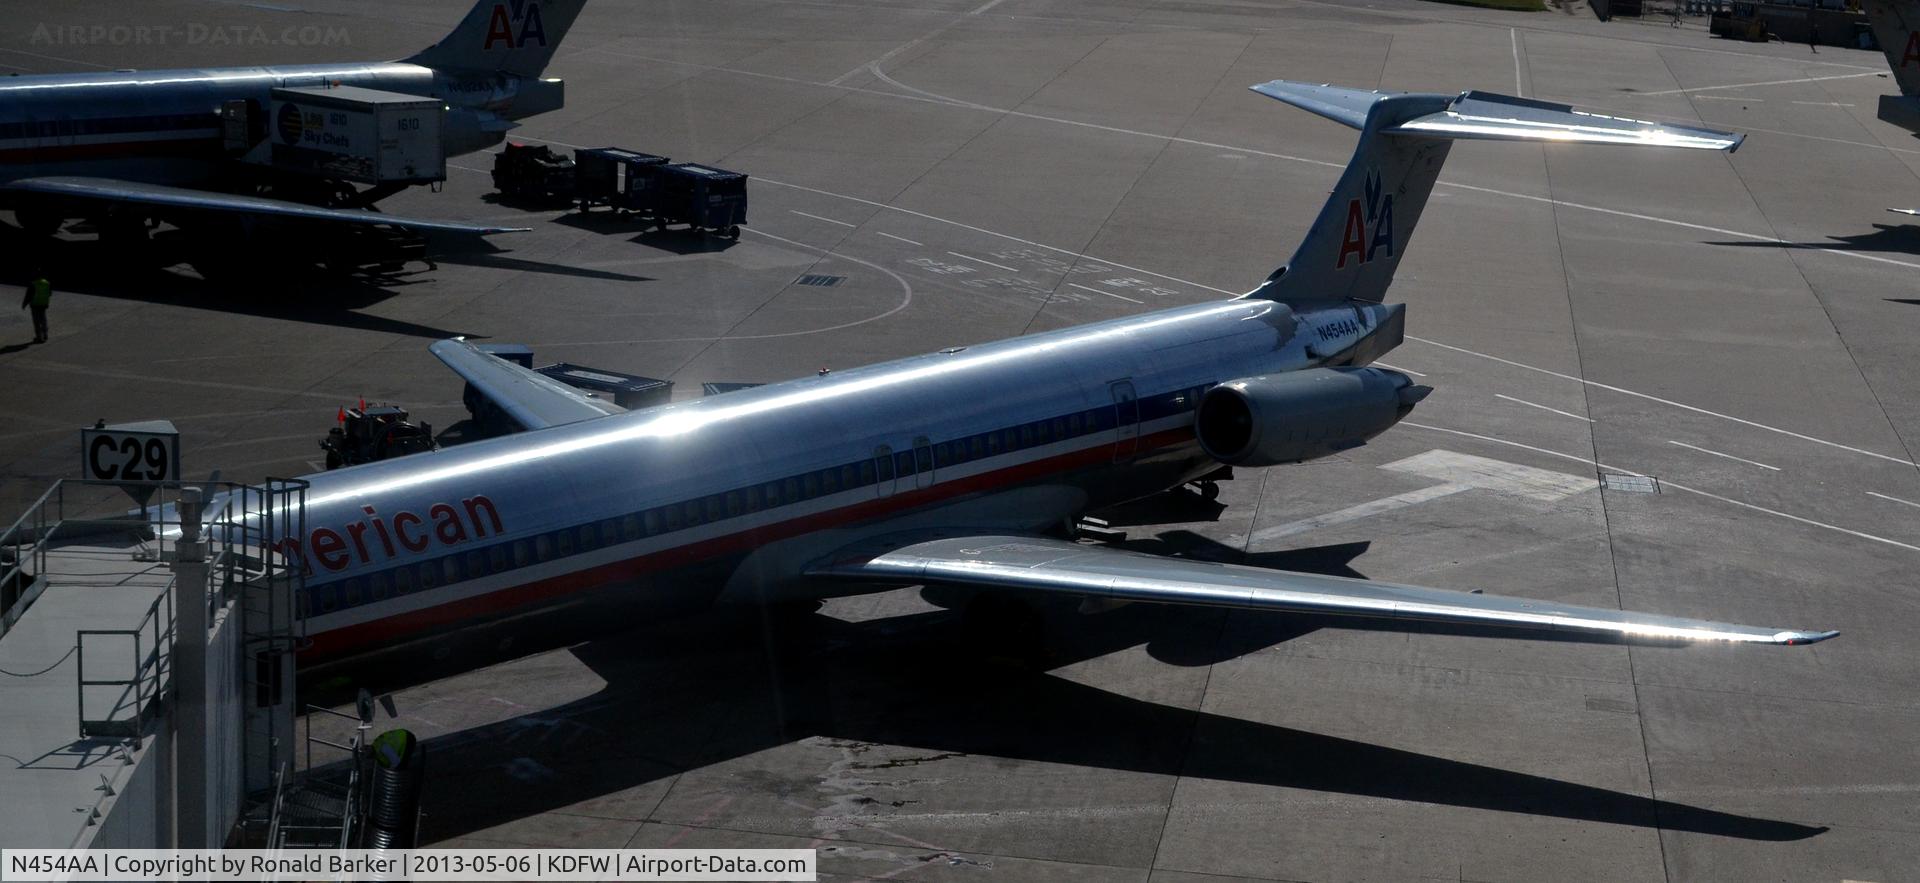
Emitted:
<point x="1039" y="564"/>
<point x="115" y="190"/>
<point x="1905" y="211"/>
<point x="531" y="399"/>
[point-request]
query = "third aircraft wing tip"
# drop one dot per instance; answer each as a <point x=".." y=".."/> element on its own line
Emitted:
<point x="1798" y="638"/>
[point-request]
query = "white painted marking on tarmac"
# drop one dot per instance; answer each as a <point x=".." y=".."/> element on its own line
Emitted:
<point x="1825" y="103"/>
<point x="818" y="218"/>
<point x="1453" y="467"/>
<point x="1719" y="454"/>
<point x="1740" y="98"/>
<point x="1355" y="513"/>
<point x="1667" y="483"/>
<point x="875" y="64"/>
<point x="1652" y="398"/>
<point x="1399" y="369"/>
<point x="1542" y="407"/>
<point x="1513" y="34"/>
<point x="906" y="300"/>
<point x="985" y="231"/>
<point x="1894" y="499"/>
<point x="1456" y="473"/>
<point x="988" y="263"/>
<point x="901" y="238"/>
<point x="980" y="10"/>
<point x="1760" y="83"/>
<point x="1107" y="293"/>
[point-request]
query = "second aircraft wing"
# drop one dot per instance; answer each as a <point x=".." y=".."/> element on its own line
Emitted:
<point x="531" y="399"/>
<point x="187" y="199"/>
<point x="1045" y="565"/>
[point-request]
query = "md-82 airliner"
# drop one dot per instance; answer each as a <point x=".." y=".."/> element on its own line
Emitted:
<point x="952" y="468"/>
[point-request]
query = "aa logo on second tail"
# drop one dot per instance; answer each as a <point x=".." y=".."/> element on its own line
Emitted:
<point x="1369" y="229"/>
<point x="515" y="25"/>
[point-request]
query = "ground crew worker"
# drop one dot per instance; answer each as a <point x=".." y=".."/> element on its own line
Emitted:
<point x="39" y="295"/>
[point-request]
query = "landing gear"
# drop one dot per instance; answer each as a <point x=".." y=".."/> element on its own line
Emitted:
<point x="1208" y="490"/>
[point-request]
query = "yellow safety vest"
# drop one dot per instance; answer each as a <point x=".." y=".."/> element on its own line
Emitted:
<point x="41" y="291"/>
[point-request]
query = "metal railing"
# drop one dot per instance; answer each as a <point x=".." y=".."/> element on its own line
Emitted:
<point x="324" y="806"/>
<point x="144" y="687"/>
<point x="244" y="526"/>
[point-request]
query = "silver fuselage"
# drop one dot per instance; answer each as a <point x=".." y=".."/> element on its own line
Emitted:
<point x="729" y="498"/>
<point x="163" y="127"/>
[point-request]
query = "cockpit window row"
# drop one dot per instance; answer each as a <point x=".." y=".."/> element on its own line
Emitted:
<point x="476" y="562"/>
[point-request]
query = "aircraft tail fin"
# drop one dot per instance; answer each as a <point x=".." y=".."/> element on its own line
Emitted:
<point x="1894" y="25"/>
<point x="1353" y="247"/>
<point x="503" y="36"/>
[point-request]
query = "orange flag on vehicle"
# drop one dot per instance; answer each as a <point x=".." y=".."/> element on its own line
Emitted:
<point x="341" y="417"/>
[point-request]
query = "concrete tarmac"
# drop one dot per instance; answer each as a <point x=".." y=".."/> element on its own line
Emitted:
<point x="1739" y="327"/>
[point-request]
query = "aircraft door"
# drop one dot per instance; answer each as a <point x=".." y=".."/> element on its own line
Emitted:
<point x="1126" y="421"/>
<point x="883" y="470"/>
<point x="922" y="462"/>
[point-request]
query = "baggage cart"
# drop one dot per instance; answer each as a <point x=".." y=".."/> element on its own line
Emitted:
<point x="622" y="180"/>
<point x="702" y="197"/>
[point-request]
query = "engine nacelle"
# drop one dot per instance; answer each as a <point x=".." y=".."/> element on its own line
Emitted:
<point x="1301" y="415"/>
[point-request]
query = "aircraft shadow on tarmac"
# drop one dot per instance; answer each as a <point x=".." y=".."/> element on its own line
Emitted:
<point x="678" y="240"/>
<point x="486" y="254"/>
<point x="716" y="688"/>
<point x="1885" y="239"/>
<point x="87" y="266"/>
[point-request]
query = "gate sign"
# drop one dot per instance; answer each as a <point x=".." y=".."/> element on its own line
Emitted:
<point x="146" y="451"/>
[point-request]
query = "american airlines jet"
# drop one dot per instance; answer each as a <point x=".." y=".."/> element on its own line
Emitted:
<point x="954" y="468"/>
<point x="133" y="145"/>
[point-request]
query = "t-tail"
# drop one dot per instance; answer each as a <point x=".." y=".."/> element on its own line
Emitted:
<point x="1351" y="250"/>
<point x="515" y="37"/>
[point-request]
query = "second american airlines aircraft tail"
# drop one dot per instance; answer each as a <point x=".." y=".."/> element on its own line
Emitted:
<point x="125" y="146"/>
<point x="949" y="468"/>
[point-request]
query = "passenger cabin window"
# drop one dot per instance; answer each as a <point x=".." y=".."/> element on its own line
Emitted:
<point x="883" y="460"/>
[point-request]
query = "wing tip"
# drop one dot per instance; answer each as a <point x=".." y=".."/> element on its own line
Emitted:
<point x="1794" y="639"/>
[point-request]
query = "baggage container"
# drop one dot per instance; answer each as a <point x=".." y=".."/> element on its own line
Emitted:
<point x="362" y="135"/>
<point x="702" y="197"/>
<point x="620" y="179"/>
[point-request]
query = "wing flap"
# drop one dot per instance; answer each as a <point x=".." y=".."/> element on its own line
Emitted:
<point x="114" y="190"/>
<point x="529" y="398"/>
<point x="1048" y="565"/>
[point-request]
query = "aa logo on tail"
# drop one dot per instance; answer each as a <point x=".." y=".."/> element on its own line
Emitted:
<point x="1369" y="225"/>
<point x="1913" y="49"/>
<point x="516" y="25"/>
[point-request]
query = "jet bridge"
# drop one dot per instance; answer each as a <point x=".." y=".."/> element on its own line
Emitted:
<point x="148" y="660"/>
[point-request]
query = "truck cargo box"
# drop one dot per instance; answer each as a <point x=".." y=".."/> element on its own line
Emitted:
<point x="361" y="135"/>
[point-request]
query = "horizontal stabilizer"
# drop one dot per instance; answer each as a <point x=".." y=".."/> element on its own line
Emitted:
<point x="186" y="199"/>
<point x="1045" y="565"/>
<point x="529" y="398"/>
<point x="1491" y="117"/>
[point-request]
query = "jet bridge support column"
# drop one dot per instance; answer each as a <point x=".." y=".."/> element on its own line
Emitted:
<point x="190" y="742"/>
